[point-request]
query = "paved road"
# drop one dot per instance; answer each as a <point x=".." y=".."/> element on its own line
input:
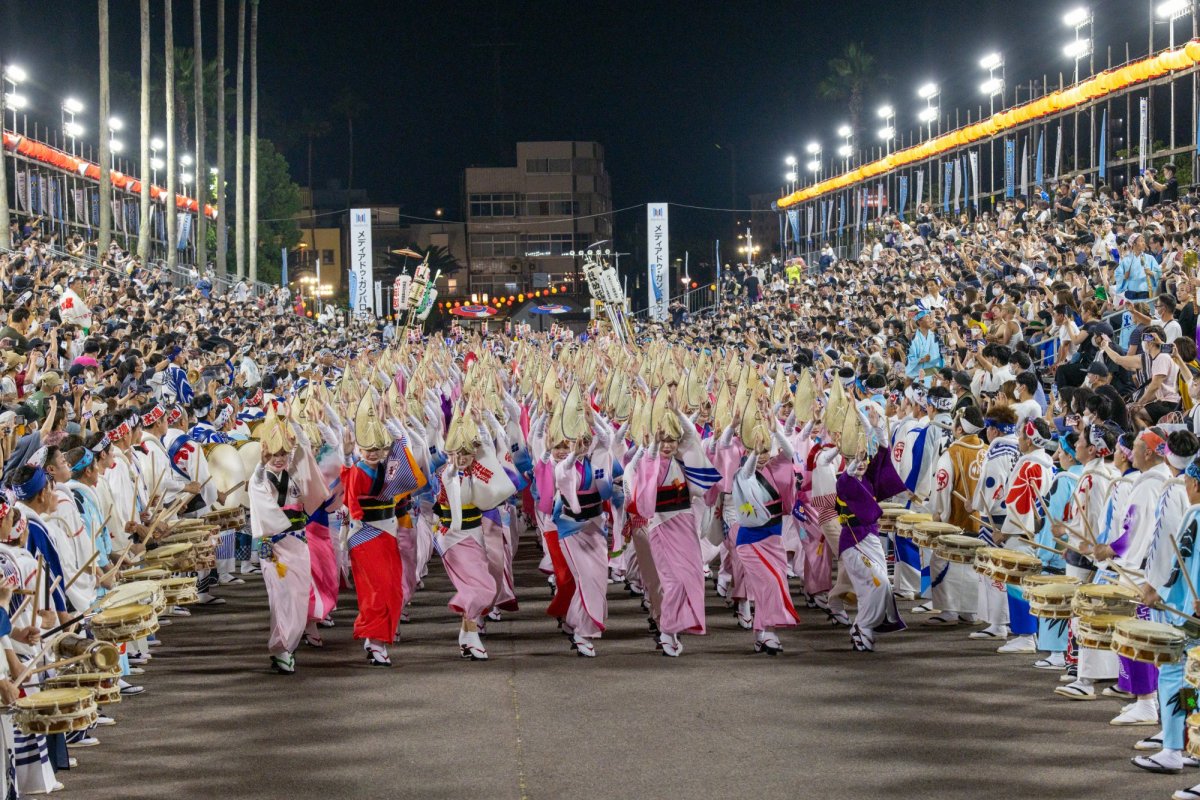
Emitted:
<point x="931" y="715"/>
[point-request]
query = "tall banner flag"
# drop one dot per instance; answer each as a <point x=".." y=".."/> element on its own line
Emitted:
<point x="919" y="194"/>
<point x="828" y="216"/>
<point x="1103" y="165"/>
<point x="973" y="157"/>
<point x="903" y="194"/>
<point x="362" y="270"/>
<point x="842" y="211"/>
<point x="1058" y="152"/>
<point x="1143" y="133"/>
<point x="793" y="217"/>
<point x="658" y="254"/>
<point x="1010" y="154"/>
<point x="811" y="214"/>
<point x="958" y="180"/>
<point x="865" y="208"/>
<point x="22" y="191"/>
<point x="1039" y="161"/>
<point x="185" y="231"/>
<point x="882" y="197"/>
<point x="1025" y="168"/>
<point x="283" y="267"/>
<point x="947" y="185"/>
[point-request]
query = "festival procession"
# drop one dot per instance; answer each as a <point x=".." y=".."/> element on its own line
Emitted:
<point x="939" y="408"/>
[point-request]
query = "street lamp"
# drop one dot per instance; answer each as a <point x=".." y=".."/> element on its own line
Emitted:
<point x="813" y="148"/>
<point x="994" y="85"/>
<point x="185" y="160"/>
<point x="114" y="124"/>
<point x="790" y="161"/>
<point x="846" y="150"/>
<point x="888" y="132"/>
<point x="929" y="92"/>
<point x="71" y="129"/>
<point x="13" y="76"/>
<point x="1078" y="18"/>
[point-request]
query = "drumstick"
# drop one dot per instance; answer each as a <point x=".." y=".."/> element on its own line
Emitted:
<point x="157" y="483"/>
<point x="78" y="574"/>
<point x="64" y="662"/>
<point x="25" y="673"/>
<point x="121" y="561"/>
<point x="37" y="589"/>
<point x="1182" y="568"/>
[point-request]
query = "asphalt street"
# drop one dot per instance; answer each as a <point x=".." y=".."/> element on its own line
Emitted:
<point x="929" y="715"/>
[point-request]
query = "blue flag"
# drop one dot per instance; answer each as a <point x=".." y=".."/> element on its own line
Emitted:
<point x="1103" y="130"/>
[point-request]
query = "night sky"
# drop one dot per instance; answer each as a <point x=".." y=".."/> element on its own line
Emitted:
<point x="658" y="84"/>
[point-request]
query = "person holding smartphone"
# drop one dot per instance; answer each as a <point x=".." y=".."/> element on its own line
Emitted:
<point x="1161" y="394"/>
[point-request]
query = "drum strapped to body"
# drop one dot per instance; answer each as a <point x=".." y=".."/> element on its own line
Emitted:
<point x="128" y="623"/>
<point x="1049" y="600"/>
<point x="1193" y="734"/>
<point x="144" y="591"/>
<point x="101" y="656"/>
<point x="925" y="534"/>
<point x="1191" y="670"/>
<point x="143" y="573"/>
<point x="1096" y="599"/>
<point x="1096" y="632"/>
<point x="105" y="686"/>
<point x="179" y="557"/>
<point x="180" y="591"/>
<point x="1149" y="642"/>
<point x="1006" y="566"/>
<point x="958" y="548"/>
<point x="891" y="513"/>
<point x="55" y="711"/>
<point x="907" y="522"/>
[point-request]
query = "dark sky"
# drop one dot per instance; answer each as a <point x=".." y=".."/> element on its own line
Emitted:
<point x="656" y="83"/>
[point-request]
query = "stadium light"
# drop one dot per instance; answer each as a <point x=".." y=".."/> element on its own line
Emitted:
<point x="886" y="111"/>
<point x="814" y="166"/>
<point x="927" y="91"/>
<point x="887" y="133"/>
<point x="74" y="130"/>
<point x="991" y="86"/>
<point x="844" y="131"/>
<point x="15" y="74"/>
<point x="928" y="114"/>
<point x="1077" y="17"/>
<point x="813" y="148"/>
<point x="72" y="105"/>
<point x="16" y="101"/>
<point x="991" y="61"/>
<point x="790" y="161"/>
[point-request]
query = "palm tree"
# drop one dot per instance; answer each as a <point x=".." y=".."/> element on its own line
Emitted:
<point x="312" y="127"/>
<point x="239" y="233"/>
<point x="143" y="244"/>
<point x="253" y="197"/>
<point x="201" y="164"/>
<point x="105" y="158"/>
<point x="172" y="159"/>
<point x="222" y="225"/>
<point x="350" y="106"/>
<point x="850" y="76"/>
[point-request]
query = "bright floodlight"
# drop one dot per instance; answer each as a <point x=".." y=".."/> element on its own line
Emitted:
<point x="790" y="161"/>
<point x="886" y="111"/>
<point x="185" y="177"/>
<point x="116" y="145"/>
<point x="845" y="150"/>
<point x="1169" y="9"/>
<point x="813" y="148"/>
<point x="991" y="86"/>
<point x="844" y="130"/>
<point x="156" y="143"/>
<point x="1076" y="49"/>
<point x="991" y="61"/>
<point x="17" y="101"/>
<point x="887" y="133"/>
<point x="790" y="177"/>
<point x="72" y="105"/>
<point x="157" y="163"/>
<point x="214" y="171"/>
<point x="185" y="159"/>
<point x="115" y="123"/>
<point x="1076" y="17"/>
<point x="928" y="114"/>
<point x="814" y="166"/>
<point x="73" y="129"/>
<point x="927" y="91"/>
<point x="15" y="73"/>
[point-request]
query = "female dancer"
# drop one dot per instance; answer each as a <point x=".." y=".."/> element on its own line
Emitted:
<point x="665" y="479"/>
<point x="285" y="489"/>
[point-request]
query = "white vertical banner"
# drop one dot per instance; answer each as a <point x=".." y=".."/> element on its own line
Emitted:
<point x="920" y="190"/>
<point x="1025" y="168"/>
<point x="361" y="299"/>
<point x="974" y="159"/>
<point x="1143" y="132"/>
<point x="658" y="256"/>
<point x="22" y="191"/>
<point x="379" y="295"/>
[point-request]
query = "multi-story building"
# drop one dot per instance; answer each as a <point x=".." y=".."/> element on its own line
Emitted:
<point x="522" y="220"/>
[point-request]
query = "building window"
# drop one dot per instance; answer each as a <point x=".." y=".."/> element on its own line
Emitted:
<point x="548" y="244"/>
<point x="548" y="166"/>
<point x="452" y="286"/>
<point x="493" y="205"/>
<point x="494" y="245"/>
<point x="549" y="204"/>
<point x="326" y="256"/>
